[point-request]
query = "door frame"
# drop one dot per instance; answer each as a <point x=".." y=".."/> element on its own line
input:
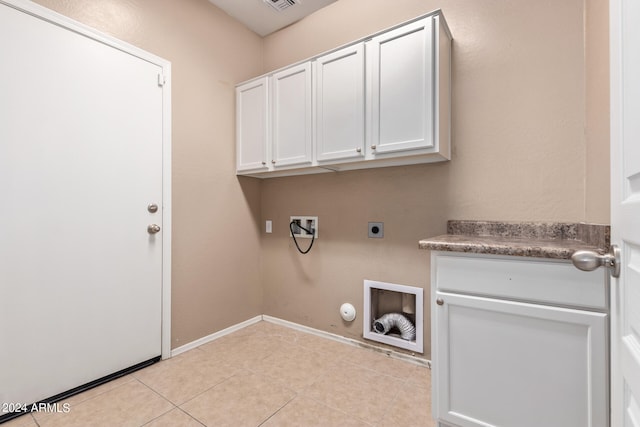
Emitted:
<point x="624" y="365"/>
<point x="164" y="80"/>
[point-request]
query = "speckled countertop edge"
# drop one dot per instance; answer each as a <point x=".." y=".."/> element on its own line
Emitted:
<point x="555" y="240"/>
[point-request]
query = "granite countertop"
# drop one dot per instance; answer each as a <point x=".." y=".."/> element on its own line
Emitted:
<point x="556" y="240"/>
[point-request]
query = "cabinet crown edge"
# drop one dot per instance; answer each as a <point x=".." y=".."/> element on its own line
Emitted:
<point x="435" y="13"/>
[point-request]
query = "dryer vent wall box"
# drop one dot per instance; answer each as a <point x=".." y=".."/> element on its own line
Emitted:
<point x="390" y="121"/>
<point x="381" y="298"/>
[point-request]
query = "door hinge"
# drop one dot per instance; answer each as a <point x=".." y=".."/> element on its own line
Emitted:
<point x="161" y="79"/>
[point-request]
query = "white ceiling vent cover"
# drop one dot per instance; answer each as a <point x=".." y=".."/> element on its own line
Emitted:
<point x="281" y="5"/>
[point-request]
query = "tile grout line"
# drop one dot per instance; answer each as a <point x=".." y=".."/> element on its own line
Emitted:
<point x="179" y="406"/>
<point x="170" y="410"/>
<point x="192" y="417"/>
<point x="391" y="402"/>
<point x="278" y="410"/>
<point x="336" y="409"/>
<point x="174" y="406"/>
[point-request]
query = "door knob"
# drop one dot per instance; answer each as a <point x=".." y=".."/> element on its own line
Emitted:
<point x="590" y="260"/>
<point x="153" y="228"/>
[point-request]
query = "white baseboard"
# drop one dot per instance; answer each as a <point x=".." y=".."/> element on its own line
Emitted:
<point x="349" y="341"/>
<point x="301" y="328"/>
<point x="214" y="336"/>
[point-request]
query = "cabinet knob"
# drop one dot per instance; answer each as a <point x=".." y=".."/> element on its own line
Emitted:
<point x="440" y="301"/>
<point x="373" y="147"/>
<point x="264" y="163"/>
<point x="273" y="161"/>
<point x="358" y="150"/>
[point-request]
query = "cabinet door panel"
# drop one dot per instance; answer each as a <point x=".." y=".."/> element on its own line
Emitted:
<point x="252" y="125"/>
<point x="339" y="91"/>
<point x="402" y="103"/>
<point x="504" y="363"/>
<point x="292" y="130"/>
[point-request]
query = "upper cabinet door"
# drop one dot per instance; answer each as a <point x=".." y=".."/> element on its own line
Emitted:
<point x="402" y="88"/>
<point x="292" y="112"/>
<point x="339" y="91"/>
<point x="252" y="125"/>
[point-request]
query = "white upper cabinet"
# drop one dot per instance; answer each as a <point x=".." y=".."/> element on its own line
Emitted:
<point x="402" y="63"/>
<point x="339" y="99"/>
<point x="292" y="107"/>
<point x="252" y="125"/>
<point x="380" y="101"/>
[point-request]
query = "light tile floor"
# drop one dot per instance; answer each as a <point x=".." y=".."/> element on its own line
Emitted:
<point x="262" y="375"/>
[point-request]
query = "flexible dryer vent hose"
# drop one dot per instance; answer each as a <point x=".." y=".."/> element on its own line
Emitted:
<point x="384" y="324"/>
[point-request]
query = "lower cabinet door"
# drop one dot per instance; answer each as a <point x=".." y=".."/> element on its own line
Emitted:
<point x="512" y="364"/>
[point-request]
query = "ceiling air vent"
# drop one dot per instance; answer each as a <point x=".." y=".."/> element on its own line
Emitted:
<point x="281" y="5"/>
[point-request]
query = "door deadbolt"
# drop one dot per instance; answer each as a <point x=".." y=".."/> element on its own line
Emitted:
<point x="153" y="208"/>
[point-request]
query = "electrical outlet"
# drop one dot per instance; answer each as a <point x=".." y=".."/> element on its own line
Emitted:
<point x="308" y="222"/>
<point x="376" y="230"/>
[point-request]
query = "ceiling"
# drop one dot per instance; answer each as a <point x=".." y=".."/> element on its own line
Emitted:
<point x="263" y="19"/>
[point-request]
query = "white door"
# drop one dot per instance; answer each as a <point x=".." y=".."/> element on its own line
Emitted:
<point x="292" y="131"/>
<point x="625" y="211"/>
<point x="81" y="152"/>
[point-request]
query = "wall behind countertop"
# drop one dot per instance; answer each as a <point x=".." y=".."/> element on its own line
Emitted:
<point x="519" y="151"/>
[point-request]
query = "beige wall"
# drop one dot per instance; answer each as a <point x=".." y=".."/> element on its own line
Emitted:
<point x="216" y="275"/>
<point x="597" y="111"/>
<point x="519" y="151"/>
<point x="529" y="143"/>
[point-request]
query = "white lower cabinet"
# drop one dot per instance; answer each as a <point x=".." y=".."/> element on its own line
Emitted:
<point x="515" y="362"/>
